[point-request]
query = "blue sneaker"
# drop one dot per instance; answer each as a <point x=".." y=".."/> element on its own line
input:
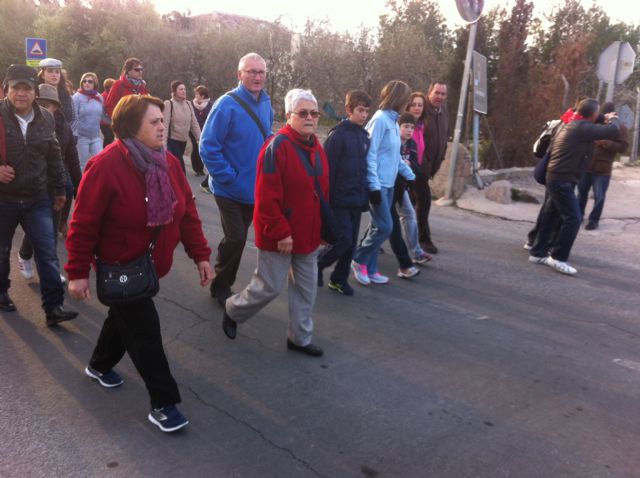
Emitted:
<point x="168" y="419"/>
<point x="109" y="379"/>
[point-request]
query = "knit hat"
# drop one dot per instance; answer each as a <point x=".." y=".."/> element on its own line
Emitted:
<point x="50" y="63"/>
<point x="20" y="74"/>
<point x="48" y="93"/>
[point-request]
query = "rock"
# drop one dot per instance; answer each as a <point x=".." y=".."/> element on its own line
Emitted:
<point x="463" y="172"/>
<point x="499" y="191"/>
<point x="527" y="196"/>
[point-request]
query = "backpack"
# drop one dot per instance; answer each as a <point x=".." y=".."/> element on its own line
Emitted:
<point x="541" y="145"/>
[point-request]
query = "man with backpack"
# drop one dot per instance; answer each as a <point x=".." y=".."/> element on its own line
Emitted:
<point x="232" y="137"/>
<point x="571" y="151"/>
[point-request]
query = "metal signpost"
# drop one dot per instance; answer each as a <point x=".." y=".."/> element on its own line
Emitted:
<point x="470" y="11"/>
<point x="36" y="50"/>
<point x="480" y="106"/>
<point x="615" y="65"/>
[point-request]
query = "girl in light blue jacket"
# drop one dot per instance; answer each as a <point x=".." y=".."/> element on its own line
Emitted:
<point x="383" y="165"/>
<point x="89" y="111"/>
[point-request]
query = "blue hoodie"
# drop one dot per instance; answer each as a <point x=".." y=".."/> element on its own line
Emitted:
<point x="230" y="144"/>
<point x="383" y="160"/>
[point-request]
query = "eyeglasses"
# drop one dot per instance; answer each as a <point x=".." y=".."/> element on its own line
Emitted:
<point x="138" y="69"/>
<point x="256" y="72"/>
<point x="306" y="113"/>
<point x="88" y="80"/>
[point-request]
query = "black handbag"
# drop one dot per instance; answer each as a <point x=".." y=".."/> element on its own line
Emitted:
<point x="124" y="284"/>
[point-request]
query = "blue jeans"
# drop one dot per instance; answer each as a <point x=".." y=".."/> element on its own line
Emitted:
<point x="409" y="222"/>
<point x="379" y="231"/>
<point x="561" y="207"/>
<point x="36" y="218"/>
<point x="600" y="184"/>
<point x="88" y="148"/>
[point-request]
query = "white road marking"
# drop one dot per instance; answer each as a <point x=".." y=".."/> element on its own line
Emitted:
<point x="628" y="364"/>
<point x="482" y="317"/>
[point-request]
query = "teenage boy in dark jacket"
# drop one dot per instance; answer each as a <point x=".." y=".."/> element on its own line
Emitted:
<point x="346" y="148"/>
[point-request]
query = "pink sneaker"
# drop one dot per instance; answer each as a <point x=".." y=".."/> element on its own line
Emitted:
<point x="378" y="278"/>
<point x="360" y="273"/>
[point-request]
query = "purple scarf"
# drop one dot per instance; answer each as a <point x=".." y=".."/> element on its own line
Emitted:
<point x="161" y="199"/>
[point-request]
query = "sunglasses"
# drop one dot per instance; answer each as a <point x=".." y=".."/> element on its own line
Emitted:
<point x="306" y="113"/>
<point x="88" y="80"/>
<point x="139" y="68"/>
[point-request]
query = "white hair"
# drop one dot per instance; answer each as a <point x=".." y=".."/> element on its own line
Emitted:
<point x="247" y="57"/>
<point x="295" y="96"/>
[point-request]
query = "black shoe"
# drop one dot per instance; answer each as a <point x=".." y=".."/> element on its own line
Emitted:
<point x="429" y="247"/>
<point x="221" y="294"/>
<point x="591" y="226"/>
<point x="229" y="326"/>
<point x="6" y="304"/>
<point x="58" y="314"/>
<point x="310" y="349"/>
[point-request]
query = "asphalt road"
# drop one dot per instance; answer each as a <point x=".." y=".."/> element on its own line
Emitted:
<point x="482" y="366"/>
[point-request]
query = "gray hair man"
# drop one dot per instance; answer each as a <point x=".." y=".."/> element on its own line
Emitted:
<point x="238" y="125"/>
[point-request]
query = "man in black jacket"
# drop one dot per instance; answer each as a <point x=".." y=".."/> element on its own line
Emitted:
<point x="571" y="152"/>
<point x="30" y="161"/>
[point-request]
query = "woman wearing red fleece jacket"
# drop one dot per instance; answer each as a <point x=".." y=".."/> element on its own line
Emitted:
<point x="287" y="224"/>
<point x="127" y="191"/>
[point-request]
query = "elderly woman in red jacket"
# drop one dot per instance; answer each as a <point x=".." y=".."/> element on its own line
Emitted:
<point x="287" y="224"/>
<point x="128" y="191"/>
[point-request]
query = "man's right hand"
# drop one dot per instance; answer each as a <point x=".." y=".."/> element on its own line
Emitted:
<point x="7" y="174"/>
<point x="609" y="116"/>
<point x="375" y="197"/>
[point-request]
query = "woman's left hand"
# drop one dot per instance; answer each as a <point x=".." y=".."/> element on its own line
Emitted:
<point x="206" y="273"/>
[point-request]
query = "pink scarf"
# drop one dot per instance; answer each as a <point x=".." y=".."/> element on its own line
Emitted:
<point x="418" y="137"/>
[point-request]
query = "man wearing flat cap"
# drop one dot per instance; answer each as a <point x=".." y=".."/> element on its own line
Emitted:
<point x="30" y="162"/>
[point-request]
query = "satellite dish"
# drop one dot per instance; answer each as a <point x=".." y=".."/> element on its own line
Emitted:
<point x="470" y="10"/>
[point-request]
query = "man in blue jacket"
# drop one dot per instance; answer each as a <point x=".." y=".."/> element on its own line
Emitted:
<point x="233" y="134"/>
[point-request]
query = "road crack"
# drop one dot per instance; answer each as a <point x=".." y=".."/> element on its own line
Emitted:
<point x="255" y="430"/>
<point x="193" y="312"/>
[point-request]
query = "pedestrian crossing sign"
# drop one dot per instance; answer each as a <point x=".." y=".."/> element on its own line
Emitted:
<point x="36" y="50"/>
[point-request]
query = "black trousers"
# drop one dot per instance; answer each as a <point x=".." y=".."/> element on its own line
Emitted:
<point x="177" y="148"/>
<point x="236" y="219"/>
<point x="136" y="329"/>
<point x="196" y="160"/>
<point x="422" y="197"/>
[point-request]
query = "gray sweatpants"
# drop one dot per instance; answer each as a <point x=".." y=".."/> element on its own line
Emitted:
<point x="267" y="283"/>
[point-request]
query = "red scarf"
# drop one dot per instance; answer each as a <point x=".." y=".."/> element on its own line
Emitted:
<point x="577" y="116"/>
<point x="93" y="95"/>
<point x="566" y="116"/>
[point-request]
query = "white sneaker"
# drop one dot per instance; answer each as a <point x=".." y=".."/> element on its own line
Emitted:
<point x="410" y="272"/>
<point x="378" y="278"/>
<point x="538" y="260"/>
<point x="63" y="279"/>
<point x="26" y="267"/>
<point x="561" y="267"/>
<point x="527" y="246"/>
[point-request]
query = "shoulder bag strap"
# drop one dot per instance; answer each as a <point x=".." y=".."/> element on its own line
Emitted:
<point x="250" y="112"/>
<point x="156" y="233"/>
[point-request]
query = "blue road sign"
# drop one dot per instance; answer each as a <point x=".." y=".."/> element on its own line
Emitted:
<point x="36" y="49"/>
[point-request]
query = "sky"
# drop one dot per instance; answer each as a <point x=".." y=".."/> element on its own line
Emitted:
<point x="348" y="15"/>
